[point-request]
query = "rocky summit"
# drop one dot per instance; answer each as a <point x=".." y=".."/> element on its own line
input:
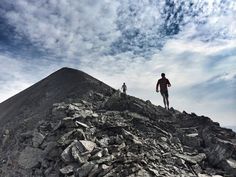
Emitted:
<point x="73" y="125"/>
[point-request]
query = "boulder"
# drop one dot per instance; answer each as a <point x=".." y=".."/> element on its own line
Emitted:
<point x="30" y="157"/>
<point x="192" y="140"/>
<point x="220" y="151"/>
<point x="229" y="165"/>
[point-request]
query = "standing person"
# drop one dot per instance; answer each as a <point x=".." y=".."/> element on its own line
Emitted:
<point x="124" y="88"/>
<point x="164" y="83"/>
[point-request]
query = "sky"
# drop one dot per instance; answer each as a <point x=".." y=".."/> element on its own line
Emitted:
<point x="193" y="42"/>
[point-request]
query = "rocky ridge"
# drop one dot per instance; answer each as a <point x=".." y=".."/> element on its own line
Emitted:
<point x="112" y="135"/>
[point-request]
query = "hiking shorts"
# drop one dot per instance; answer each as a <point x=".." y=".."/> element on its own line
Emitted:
<point x="165" y="93"/>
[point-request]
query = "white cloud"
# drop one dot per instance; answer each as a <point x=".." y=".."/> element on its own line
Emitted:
<point x="68" y="28"/>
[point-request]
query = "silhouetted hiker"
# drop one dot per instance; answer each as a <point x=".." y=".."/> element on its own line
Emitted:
<point x="124" y="88"/>
<point x="164" y="82"/>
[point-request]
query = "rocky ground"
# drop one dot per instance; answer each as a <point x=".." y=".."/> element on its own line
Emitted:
<point x="114" y="135"/>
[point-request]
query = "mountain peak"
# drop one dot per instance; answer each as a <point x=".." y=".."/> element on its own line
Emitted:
<point x="62" y="85"/>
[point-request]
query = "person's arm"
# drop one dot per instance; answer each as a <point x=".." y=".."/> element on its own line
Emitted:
<point x="158" y="83"/>
<point x="168" y="83"/>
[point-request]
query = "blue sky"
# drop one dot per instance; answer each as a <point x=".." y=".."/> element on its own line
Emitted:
<point x="193" y="42"/>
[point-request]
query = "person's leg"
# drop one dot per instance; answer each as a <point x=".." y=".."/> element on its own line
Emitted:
<point x="164" y="100"/>
<point x="167" y="99"/>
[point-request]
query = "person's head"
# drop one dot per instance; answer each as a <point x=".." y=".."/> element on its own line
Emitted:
<point x="162" y="75"/>
<point x="123" y="83"/>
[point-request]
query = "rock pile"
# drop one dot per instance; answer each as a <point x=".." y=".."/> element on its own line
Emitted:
<point x="119" y="136"/>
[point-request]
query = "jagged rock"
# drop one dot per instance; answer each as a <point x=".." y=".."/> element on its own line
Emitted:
<point x="104" y="142"/>
<point x="78" y="133"/>
<point x="67" y="170"/>
<point x="84" y="170"/>
<point x="84" y="145"/>
<point x="143" y="173"/>
<point x="222" y="150"/>
<point x="192" y="159"/>
<point x="155" y="172"/>
<point x="37" y="139"/>
<point x="197" y="169"/>
<point x="192" y="140"/>
<point x="66" y="154"/>
<point x="30" y="157"/>
<point x="97" y="156"/>
<point x="78" y="156"/>
<point x="130" y="136"/>
<point x="229" y="165"/>
<point x="94" y="171"/>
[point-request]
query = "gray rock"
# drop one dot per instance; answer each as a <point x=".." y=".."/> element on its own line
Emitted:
<point x="66" y="154"/>
<point x="38" y="139"/>
<point x="154" y="171"/>
<point x="222" y="150"/>
<point x="97" y="156"/>
<point x="130" y="136"/>
<point x="143" y="173"/>
<point x="104" y="142"/>
<point x="80" y="124"/>
<point x="74" y="134"/>
<point x="65" y="137"/>
<point x="94" y="171"/>
<point x="85" y="169"/>
<point x="84" y="145"/>
<point x="192" y="159"/>
<point x="105" y="159"/>
<point x="229" y="165"/>
<point x="78" y="156"/>
<point x="192" y="140"/>
<point x="67" y="169"/>
<point x="30" y="157"/>
<point x="58" y="110"/>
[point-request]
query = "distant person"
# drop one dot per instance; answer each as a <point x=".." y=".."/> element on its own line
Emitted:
<point x="164" y="83"/>
<point x="124" y="88"/>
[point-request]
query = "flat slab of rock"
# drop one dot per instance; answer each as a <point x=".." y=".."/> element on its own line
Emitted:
<point x="30" y="157"/>
<point x="192" y="159"/>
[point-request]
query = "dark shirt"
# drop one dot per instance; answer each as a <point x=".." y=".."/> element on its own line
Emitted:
<point x="163" y="82"/>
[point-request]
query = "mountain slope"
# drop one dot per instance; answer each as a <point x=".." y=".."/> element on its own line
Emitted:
<point x="70" y="124"/>
<point x="35" y="102"/>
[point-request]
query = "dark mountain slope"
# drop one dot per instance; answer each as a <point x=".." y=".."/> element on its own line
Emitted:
<point x="35" y="102"/>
